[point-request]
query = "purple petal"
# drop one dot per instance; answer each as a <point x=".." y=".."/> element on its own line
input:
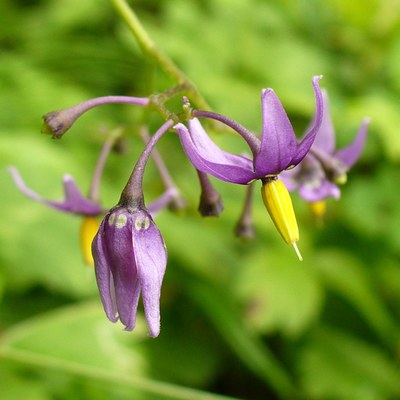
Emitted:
<point x="278" y="142"/>
<point x="207" y="157"/>
<point x="350" y="154"/>
<point x="103" y="275"/>
<point x="117" y="241"/>
<point x="325" y="138"/>
<point x="304" y="146"/>
<point x="163" y="201"/>
<point x="291" y="178"/>
<point x="317" y="193"/>
<point x="151" y="260"/>
<point x="74" y="201"/>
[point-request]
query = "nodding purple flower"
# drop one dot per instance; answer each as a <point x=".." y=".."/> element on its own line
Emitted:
<point x="130" y="259"/>
<point x="318" y="175"/>
<point x="277" y="150"/>
<point x="129" y="252"/>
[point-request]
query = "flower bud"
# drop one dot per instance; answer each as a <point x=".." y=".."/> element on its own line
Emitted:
<point x="279" y="206"/>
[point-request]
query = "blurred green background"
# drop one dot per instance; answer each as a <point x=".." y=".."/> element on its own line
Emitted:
<point x="239" y="319"/>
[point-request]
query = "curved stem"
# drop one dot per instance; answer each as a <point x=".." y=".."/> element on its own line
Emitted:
<point x="132" y="195"/>
<point x="150" y="48"/>
<point x="245" y="226"/>
<point x="175" y="199"/>
<point x="94" y="191"/>
<point x="252" y="140"/>
<point x="99" y="101"/>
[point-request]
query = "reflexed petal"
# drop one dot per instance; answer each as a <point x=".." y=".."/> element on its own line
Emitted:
<point x="163" y="201"/>
<point x="325" y="138"/>
<point x="118" y="243"/>
<point x="74" y="201"/>
<point x="322" y="191"/>
<point x="304" y="146"/>
<point x="103" y="274"/>
<point x="207" y="157"/>
<point x="151" y="260"/>
<point x="278" y="142"/>
<point x="350" y="154"/>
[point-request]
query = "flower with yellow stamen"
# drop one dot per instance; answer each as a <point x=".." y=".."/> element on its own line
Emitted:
<point x="280" y="208"/>
<point x="89" y="228"/>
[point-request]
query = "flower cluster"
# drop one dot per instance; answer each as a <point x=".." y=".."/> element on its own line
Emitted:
<point x="128" y="249"/>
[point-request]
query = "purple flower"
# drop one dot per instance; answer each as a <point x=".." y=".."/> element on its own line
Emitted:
<point x="130" y="258"/>
<point x="317" y="176"/>
<point x="74" y="202"/>
<point x="277" y="150"/>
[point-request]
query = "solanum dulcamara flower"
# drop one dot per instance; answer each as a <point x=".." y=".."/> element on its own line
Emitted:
<point x="88" y="207"/>
<point x="277" y="151"/>
<point x="324" y="168"/>
<point x="129" y="252"/>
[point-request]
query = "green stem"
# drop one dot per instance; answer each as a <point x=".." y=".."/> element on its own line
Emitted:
<point x="150" y="48"/>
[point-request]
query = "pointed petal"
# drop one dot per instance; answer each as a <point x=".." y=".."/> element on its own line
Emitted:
<point x="19" y="182"/>
<point x="350" y="154"/>
<point x="325" y="138"/>
<point x="75" y="202"/>
<point x="207" y="157"/>
<point x="304" y="146"/>
<point x="163" y="201"/>
<point x="278" y="142"/>
<point x="151" y="260"/>
<point x="103" y="274"/>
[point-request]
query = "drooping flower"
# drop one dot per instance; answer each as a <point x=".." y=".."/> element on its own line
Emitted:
<point x="130" y="259"/>
<point x="318" y="175"/>
<point x="277" y="151"/>
<point x="129" y="253"/>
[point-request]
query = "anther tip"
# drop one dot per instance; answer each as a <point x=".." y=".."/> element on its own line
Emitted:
<point x="296" y="249"/>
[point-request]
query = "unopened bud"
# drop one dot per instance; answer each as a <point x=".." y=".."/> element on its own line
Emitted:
<point x="56" y="123"/>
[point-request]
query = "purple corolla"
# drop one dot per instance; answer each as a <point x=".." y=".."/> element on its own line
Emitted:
<point x="130" y="259"/>
<point x="277" y="150"/>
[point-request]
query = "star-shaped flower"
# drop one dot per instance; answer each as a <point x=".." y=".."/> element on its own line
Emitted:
<point x="277" y="150"/>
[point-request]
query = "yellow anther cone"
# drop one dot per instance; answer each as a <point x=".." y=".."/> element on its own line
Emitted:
<point x="89" y="228"/>
<point x="318" y="208"/>
<point x="280" y="208"/>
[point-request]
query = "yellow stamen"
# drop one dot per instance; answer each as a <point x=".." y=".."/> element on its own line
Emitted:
<point x="341" y="179"/>
<point x="280" y="208"/>
<point x="89" y="228"/>
<point x="318" y="208"/>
